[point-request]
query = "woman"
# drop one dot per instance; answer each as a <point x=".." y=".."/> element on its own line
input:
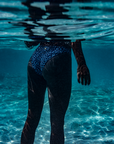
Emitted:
<point x="50" y="67"/>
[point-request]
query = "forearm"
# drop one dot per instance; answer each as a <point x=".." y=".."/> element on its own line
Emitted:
<point x="77" y="50"/>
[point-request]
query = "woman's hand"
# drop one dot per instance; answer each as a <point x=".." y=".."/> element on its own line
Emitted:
<point x="83" y="75"/>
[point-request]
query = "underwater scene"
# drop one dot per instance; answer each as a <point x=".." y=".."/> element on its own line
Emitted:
<point x="90" y="116"/>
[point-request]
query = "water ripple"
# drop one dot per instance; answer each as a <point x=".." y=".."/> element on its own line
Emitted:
<point x="39" y="21"/>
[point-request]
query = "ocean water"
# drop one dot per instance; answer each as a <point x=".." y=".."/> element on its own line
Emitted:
<point x="90" y="115"/>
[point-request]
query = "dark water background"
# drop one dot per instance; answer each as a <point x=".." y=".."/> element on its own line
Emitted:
<point x="90" y="116"/>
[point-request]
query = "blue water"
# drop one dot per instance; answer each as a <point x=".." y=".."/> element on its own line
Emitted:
<point x="90" y="116"/>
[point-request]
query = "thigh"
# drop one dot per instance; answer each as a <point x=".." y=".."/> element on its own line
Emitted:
<point x="36" y="90"/>
<point x="57" y="73"/>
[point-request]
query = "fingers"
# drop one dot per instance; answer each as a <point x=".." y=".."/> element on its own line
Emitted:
<point x="83" y="75"/>
<point x="89" y="80"/>
<point x="78" y="76"/>
<point x="84" y="79"/>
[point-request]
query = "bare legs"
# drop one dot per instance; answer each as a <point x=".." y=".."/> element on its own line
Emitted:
<point x="36" y="92"/>
<point x="57" y="73"/>
<point x="57" y="77"/>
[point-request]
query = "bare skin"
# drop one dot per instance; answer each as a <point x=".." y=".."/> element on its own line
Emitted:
<point x="83" y="74"/>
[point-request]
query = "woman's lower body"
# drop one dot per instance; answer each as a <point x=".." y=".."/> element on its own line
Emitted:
<point x="56" y="76"/>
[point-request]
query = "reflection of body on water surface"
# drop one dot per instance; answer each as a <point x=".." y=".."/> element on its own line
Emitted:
<point x="36" y="14"/>
<point x="44" y="21"/>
